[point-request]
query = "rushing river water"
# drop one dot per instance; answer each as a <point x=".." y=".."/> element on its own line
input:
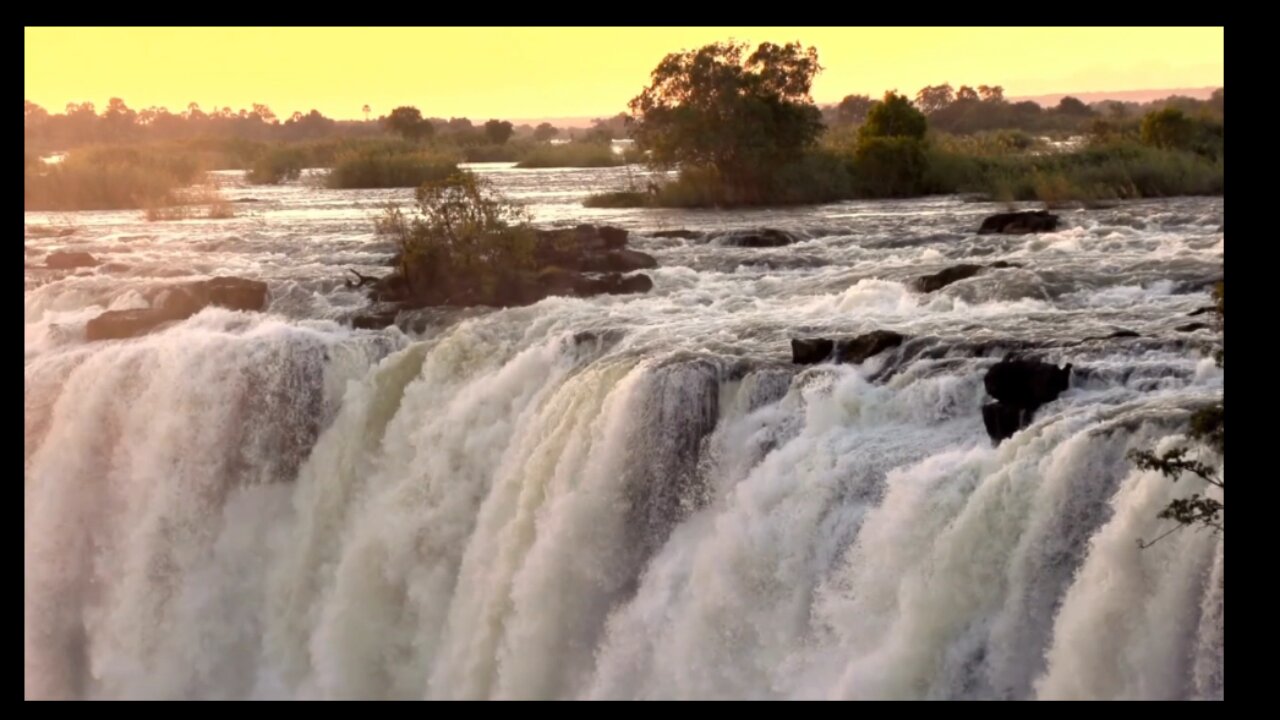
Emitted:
<point x="624" y="496"/>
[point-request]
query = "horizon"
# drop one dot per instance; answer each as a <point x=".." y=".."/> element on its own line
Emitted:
<point x="296" y="69"/>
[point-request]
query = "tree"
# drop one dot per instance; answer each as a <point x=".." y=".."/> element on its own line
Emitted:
<point x="1168" y="129"/>
<point x="264" y="113"/>
<point x="1215" y="101"/>
<point x="853" y="109"/>
<point x="1207" y="427"/>
<point x="1072" y="106"/>
<point x="933" y="98"/>
<point x="966" y="94"/>
<point x="740" y="115"/>
<point x="894" y="116"/>
<point x="406" y="121"/>
<point x="498" y="131"/>
<point x="991" y="93"/>
<point x="366" y="111"/>
<point x="544" y="132"/>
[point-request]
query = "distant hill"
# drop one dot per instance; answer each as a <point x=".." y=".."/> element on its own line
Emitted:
<point x="1138" y="96"/>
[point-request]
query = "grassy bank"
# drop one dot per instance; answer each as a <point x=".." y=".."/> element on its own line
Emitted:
<point x="109" y="178"/>
<point x="374" y="168"/>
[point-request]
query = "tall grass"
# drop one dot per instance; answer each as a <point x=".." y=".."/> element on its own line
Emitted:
<point x="109" y="178"/>
<point x="373" y="168"/>
<point x="572" y="155"/>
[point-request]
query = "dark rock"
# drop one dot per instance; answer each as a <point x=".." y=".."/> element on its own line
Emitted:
<point x="1002" y="420"/>
<point x="1019" y="223"/>
<point x="376" y="317"/>
<point x="247" y="200"/>
<point x="1202" y="311"/>
<point x="65" y="260"/>
<point x="943" y="278"/>
<point x="179" y="303"/>
<point x="614" y="237"/>
<point x="612" y="284"/>
<point x="1123" y="334"/>
<point x="1002" y="264"/>
<point x="1026" y="384"/>
<point x="617" y="261"/>
<point x="683" y="234"/>
<point x="1192" y="327"/>
<point x="811" y="351"/>
<point x="868" y="345"/>
<point x="766" y="237"/>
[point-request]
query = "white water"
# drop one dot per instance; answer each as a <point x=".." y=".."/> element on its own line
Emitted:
<point x="620" y="497"/>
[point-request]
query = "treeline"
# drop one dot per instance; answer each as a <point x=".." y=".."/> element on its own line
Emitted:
<point x="971" y="110"/>
<point x="82" y="124"/>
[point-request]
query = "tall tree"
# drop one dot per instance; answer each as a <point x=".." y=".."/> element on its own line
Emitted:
<point x="406" y="121"/>
<point x="498" y="131"/>
<point x="933" y="98"/>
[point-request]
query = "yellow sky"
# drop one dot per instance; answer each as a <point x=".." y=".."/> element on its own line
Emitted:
<point x="563" y="72"/>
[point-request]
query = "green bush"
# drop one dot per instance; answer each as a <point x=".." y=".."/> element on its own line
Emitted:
<point x="572" y="155"/>
<point x="109" y="178"/>
<point x="276" y="165"/>
<point x="370" y="168"/>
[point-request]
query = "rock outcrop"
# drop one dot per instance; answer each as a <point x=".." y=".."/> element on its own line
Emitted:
<point x="852" y="350"/>
<point x="66" y="260"/>
<point x="1019" y="223"/>
<point x="1020" y="387"/>
<point x="178" y="303"/>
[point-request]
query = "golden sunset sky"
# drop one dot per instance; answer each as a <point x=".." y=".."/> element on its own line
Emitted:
<point x="567" y="72"/>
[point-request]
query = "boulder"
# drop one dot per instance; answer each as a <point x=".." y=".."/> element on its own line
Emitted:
<point x="1026" y="384"/>
<point x="376" y="317"/>
<point x="66" y="260"/>
<point x="1002" y="264"/>
<point x="178" y="303"/>
<point x="1192" y="327"/>
<point x="811" y="351"/>
<point x="943" y="278"/>
<point x="1019" y="223"/>
<point x="867" y="346"/>
<point x="617" y="261"/>
<point x="1002" y="420"/>
<point x="765" y="237"/>
<point x="682" y="234"/>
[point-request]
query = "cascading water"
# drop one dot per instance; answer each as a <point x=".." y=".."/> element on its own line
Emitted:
<point x="624" y="496"/>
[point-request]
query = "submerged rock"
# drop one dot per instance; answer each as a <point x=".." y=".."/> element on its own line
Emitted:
<point x="682" y="234"/>
<point x="1019" y="223"/>
<point x="178" y="303"/>
<point x="811" y="351"/>
<point x="65" y="260"/>
<point x="1001" y="420"/>
<point x="1192" y="327"/>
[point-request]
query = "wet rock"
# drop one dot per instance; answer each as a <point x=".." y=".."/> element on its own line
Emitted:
<point x="811" y="351"/>
<point x="683" y="234"/>
<point x="1002" y="264"/>
<point x="618" y="261"/>
<point x="376" y="317"/>
<point x="1026" y="383"/>
<point x="1202" y="311"/>
<point x="178" y="303"/>
<point x="1001" y="420"/>
<point x="1192" y="327"/>
<point x="612" y="284"/>
<point x="943" y="278"/>
<point x="65" y="260"/>
<point x="247" y="200"/>
<point x="867" y="346"/>
<point x="1019" y="388"/>
<point x="1019" y="223"/>
<point x="765" y="237"/>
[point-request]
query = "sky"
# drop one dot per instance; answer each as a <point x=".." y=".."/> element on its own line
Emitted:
<point x="527" y="73"/>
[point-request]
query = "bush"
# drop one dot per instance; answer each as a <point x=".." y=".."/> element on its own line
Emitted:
<point x="370" y="168"/>
<point x="108" y="178"/>
<point x="572" y="155"/>
<point x="890" y="166"/>
<point x="276" y="165"/>
<point x="620" y="199"/>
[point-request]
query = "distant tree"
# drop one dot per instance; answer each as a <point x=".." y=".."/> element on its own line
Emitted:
<point x="1215" y="101"/>
<point x="853" y="109"/>
<point x="1168" y="129"/>
<point x="544" y="132"/>
<point x="459" y="125"/>
<point x="1072" y="106"/>
<point x="406" y="121"/>
<point x="966" y="94"/>
<point x="894" y="116"/>
<point x="498" y="131"/>
<point x="991" y="93"/>
<point x="933" y="98"/>
<point x="366" y="111"/>
<point x="264" y="113"/>
<point x="742" y="115"/>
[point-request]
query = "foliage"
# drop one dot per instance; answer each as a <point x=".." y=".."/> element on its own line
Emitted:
<point x="275" y="166"/>
<point x="407" y="122"/>
<point x="894" y="116"/>
<point x="739" y="116"/>
<point x="462" y="238"/>
<point x="574" y="154"/>
<point x="108" y="178"/>
<point x="374" y="168"/>
<point x="498" y="131"/>
<point x="544" y="132"/>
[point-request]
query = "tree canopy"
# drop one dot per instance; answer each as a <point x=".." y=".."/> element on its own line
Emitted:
<point x="735" y="112"/>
